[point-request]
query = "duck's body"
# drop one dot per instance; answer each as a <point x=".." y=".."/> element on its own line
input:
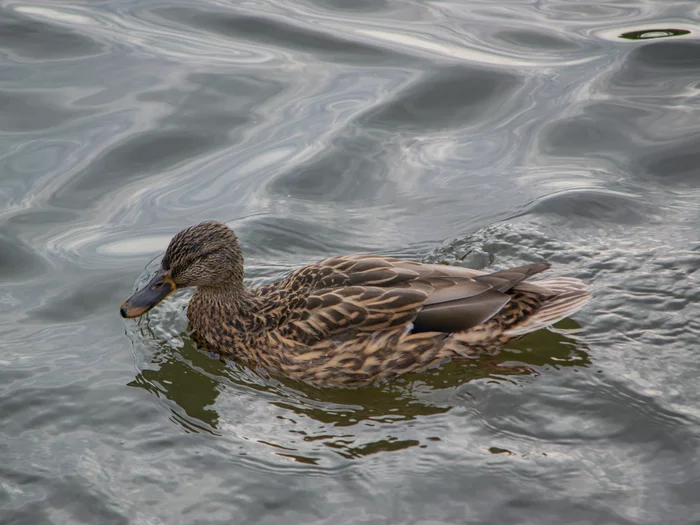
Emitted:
<point x="353" y="320"/>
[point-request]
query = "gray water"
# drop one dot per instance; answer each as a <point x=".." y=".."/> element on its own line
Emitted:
<point x="481" y="133"/>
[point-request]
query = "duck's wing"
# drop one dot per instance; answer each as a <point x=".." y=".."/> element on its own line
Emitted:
<point x="458" y="303"/>
<point x="370" y="270"/>
<point x="372" y="293"/>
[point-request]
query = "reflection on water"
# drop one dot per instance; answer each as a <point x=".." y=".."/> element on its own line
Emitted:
<point x="648" y="34"/>
<point x="190" y="386"/>
<point x="351" y="420"/>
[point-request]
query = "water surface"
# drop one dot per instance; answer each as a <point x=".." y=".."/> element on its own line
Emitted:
<point x="483" y="134"/>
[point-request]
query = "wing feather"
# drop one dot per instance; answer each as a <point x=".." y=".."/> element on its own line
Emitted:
<point x="462" y="314"/>
<point x="366" y="293"/>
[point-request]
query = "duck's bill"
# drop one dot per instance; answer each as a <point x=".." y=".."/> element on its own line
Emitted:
<point x="154" y="292"/>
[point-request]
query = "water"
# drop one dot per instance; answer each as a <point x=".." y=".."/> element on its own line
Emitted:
<point x="476" y="133"/>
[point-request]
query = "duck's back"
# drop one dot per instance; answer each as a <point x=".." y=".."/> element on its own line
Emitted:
<point x="370" y="293"/>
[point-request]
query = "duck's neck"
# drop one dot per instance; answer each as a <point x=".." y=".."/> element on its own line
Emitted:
<point x="223" y="314"/>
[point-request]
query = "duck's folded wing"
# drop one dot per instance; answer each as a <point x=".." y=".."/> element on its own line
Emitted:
<point x="358" y="308"/>
<point x="456" y="304"/>
<point x="437" y="304"/>
<point x="370" y="270"/>
<point x="366" y="293"/>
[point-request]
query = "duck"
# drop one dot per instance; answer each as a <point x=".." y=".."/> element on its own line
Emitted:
<point x="351" y="321"/>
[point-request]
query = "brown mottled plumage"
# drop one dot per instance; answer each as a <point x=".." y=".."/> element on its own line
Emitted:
<point x="352" y="320"/>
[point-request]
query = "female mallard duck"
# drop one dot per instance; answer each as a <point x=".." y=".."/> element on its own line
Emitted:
<point x="352" y="320"/>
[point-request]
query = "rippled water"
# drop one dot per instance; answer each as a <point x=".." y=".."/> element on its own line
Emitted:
<point x="481" y="133"/>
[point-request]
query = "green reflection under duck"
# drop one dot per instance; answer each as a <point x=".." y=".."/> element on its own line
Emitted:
<point x="355" y="320"/>
<point x="193" y="381"/>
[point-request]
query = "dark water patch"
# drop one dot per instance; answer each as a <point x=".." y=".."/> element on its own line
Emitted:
<point x="676" y="164"/>
<point x="581" y="207"/>
<point x="447" y="98"/>
<point x="603" y="130"/>
<point x="28" y="111"/>
<point x="18" y="261"/>
<point x="39" y="40"/>
<point x="93" y="296"/>
<point x="651" y="34"/>
<point x="578" y="135"/>
<point x="10" y="377"/>
<point x="657" y="67"/>
<point x="35" y="220"/>
<point x="537" y="40"/>
<point x="133" y="159"/>
<point x="363" y="6"/>
<point x="282" y="33"/>
<point x="349" y="170"/>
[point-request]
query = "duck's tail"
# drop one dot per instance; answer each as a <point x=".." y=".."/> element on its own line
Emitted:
<point x="566" y="296"/>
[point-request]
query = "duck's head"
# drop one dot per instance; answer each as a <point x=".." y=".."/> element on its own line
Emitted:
<point x="205" y="255"/>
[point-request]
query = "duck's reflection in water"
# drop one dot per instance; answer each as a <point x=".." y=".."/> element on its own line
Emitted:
<point x="194" y="382"/>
